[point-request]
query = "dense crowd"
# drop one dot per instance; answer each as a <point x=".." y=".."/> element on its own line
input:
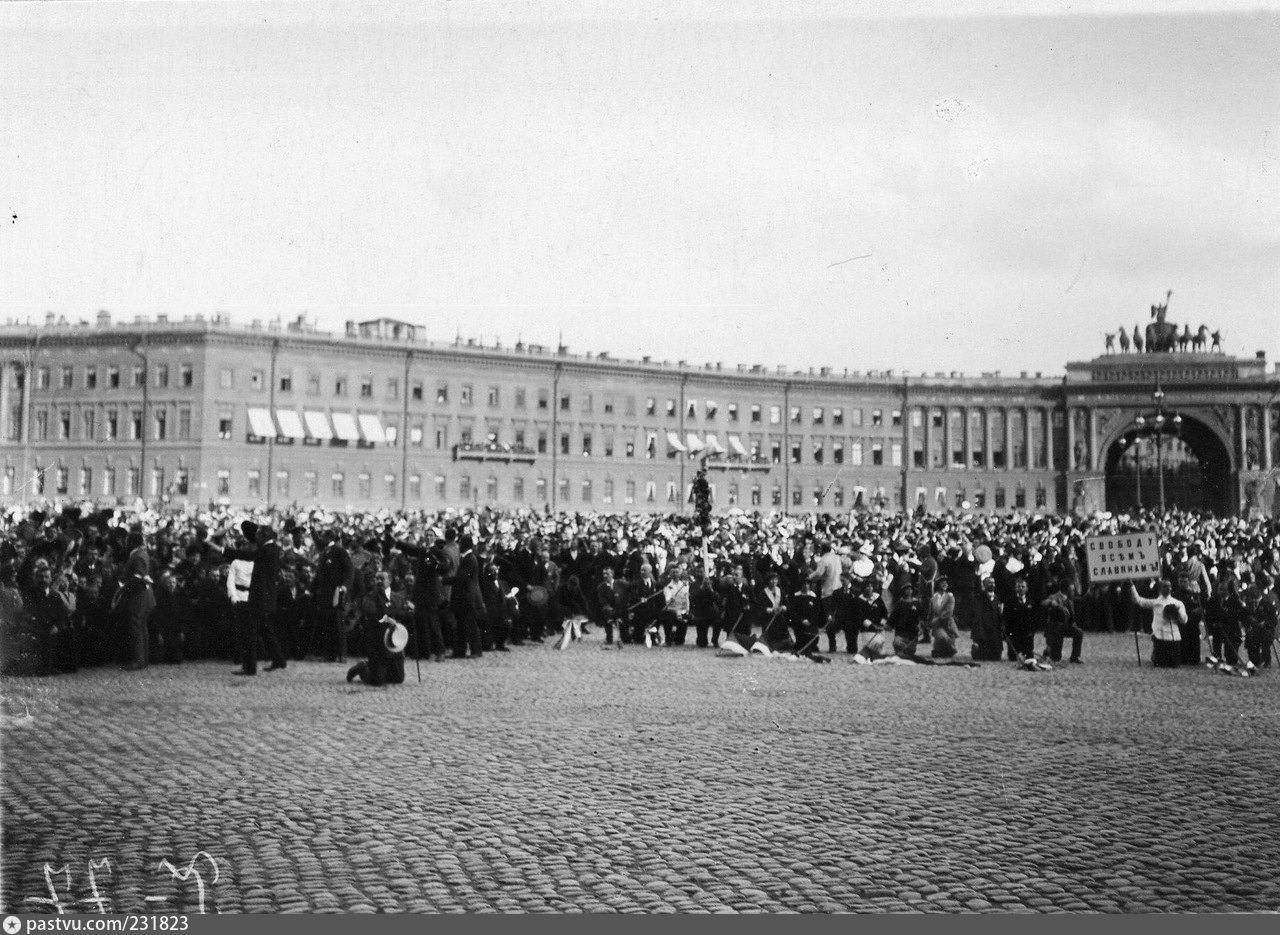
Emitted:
<point x="81" y="588"/>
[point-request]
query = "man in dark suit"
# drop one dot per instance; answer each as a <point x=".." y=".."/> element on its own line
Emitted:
<point x="333" y="582"/>
<point x="380" y="609"/>
<point x="293" y="611"/>
<point x="1019" y="622"/>
<point x="737" y="604"/>
<point x="467" y="602"/>
<point x="263" y="585"/>
<point x="645" y="601"/>
<point x="611" y="603"/>
<point x="428" y="595"/>
<point x="450" y="556"/>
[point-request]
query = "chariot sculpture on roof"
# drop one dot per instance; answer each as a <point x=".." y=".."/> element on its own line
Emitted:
<point x="1162" y="337"/>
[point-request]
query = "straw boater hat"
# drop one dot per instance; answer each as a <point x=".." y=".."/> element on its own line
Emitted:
<point x="396" y="637"/>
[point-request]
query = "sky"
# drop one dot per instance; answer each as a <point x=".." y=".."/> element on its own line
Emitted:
<point x="809" y="184"/>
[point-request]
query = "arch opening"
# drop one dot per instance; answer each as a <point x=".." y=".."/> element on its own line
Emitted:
<point x="1194" y="465"/>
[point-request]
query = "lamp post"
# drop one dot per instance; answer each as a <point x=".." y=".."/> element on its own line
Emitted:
<point x="142" y="434"/>
<point x="1155" y="425"/>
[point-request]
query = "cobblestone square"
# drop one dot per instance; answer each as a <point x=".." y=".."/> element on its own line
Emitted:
<point x="597" y="780"/>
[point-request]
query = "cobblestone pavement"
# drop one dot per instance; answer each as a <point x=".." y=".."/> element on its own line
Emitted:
<point x="646" y="781"/>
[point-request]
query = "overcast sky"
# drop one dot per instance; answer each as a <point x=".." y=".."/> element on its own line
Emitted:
<point x="1003" y="189"/>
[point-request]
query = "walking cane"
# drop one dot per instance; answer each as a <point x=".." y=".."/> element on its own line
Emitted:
<point x="417" y="643"/>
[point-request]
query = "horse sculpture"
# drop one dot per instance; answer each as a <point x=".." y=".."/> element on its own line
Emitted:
<point x="1110" y="337"/>
<point x="1184" y="339"/>
<point x="1201" y="339"/>
<point x="1162" y="336"/>
<point x="1137" y="339"/>
<point x="1124" y="340"/>
<point x="1217" y="341"/>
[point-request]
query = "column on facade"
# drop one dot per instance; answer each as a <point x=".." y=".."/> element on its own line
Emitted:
<point x="926" y="430"/>
<point x="1266" y="437"/>
<point x="5" y="379"/>
<point x="946" y="438"/>
<point x="966" y="456"/>
<point x="1092" y="441"/>
<point x="1028" y="457"/>
<point x="1241" y="453"/>
<point x="1048" y="437"/>
<point x="1008" y="439"/>
<point x="988" y="457"/>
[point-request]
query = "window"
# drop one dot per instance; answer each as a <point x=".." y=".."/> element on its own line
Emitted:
<point x="224" y="425"/>
<point x="520" y="397"/>
<point x="86" y="424"/>
<point x="442" y="437"/>
<point x="465" y="394"/>
<point x="255" y="482"/>
<point x="133" y="482"/>
<point x="651" y="445"/>
<point x="586" y="444"/>
<point x="564" y="443"/>
<point x="64" y="424"/>
<point x="113" y="378"/>
<point x="224" y="483"/>
<point x="818" y="451"/>
<point x="364" y="481"/>
<point x="90" y="378"/>
<point x="855" y="417"/>
<point x="542" y="442"/>
<point x="339" y="386"/>
<point x="517" y="489"/>
<point x="671" y="408"/>
<point x="877" y="417"/>
<point x="161" y="420"/>
<point x="586" y="402"/>
<point x="650" y="406"/>
<point x="285" y="381"/>
<point x="797" y="495"/>
<point x="775" y="415"/>
<point x="895" y="454"/>
<point x="60" y="480"/>
<point x="184" y="423"/>
<point x="956" y="428"/>
<point x="691" y="411"/>
<point x="42" y="425"/>
<point x="493" y="396"/>
<point x="42" y="378"/>
<point x="756" y="493"/>
<point x="733" y="412"/>
<point x="186" y="376"/>
<point x="838" y="496"/>
<point x="795" y="452"/>
<point x="629" y="492"/>
<point x="416" y="391"/>
<point x="630" y="409"/>
<point x="282" y="483"/>
<point x="465" y="435"/>
<point x="960" y="499"/>
<point x="1042" y="497"/>
<point x="775" y="452"/>
<point x="608" y="404"/>
<point x="776" y="495"/>
<point x="544" y="397"/>
<point x="877" y="454"/>
<point x="338" y="484"/>
<point x="1020" y="497"/>
<point x="999" y="498"/>
<point x="138" y="375"/>
<point x="393" y="388"/>
<point x="415" y="436"/>
<point x="109" y="482"/>
<point x="564" y="490"/>
<point x="586" y="490"/>
<point x="540" y="490"/>
<point x="391" y="432"/>
<point x="755" y="414"/>
<point x="608" y="491"/>
<point x="464" y="487"/>
<point x="439" y="485"/>
<point x="6" y="483"/>
<point x="313" y="384"/>
<point x="564" y="402"/>
<point x="257" y="379"/>
<point x="113" y="425"/>
<point x="389" y="485"/>
<point x="415" y="486"/>
<point x="66" y="379"/>
<point x="135" y="424"/>
<point x="608" y="445"/>
<point x="896" y="418"/>
<point x="837" y="452"/>
<point x="226" y="378"/>
<point x="630" y="449"/>
<point x="818" y="415"/>
<point x="671" y="491"/>
<point x="795" y="415"/>
<point x="311" y="484"/>
<point x="162" y="376"/>
<point x="37" y="481"/>
<point x="366" y="387"/>
<point x="980" y="498"/>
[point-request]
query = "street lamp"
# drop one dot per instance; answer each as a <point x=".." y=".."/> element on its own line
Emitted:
<point x="142" y="434"/>
<point x="1155" y="425"/>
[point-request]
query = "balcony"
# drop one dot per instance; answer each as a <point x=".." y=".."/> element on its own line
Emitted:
<point x="492" y="451"/>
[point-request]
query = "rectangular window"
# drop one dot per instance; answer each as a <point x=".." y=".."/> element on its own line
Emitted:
<point x="494" y="396"/>
<point x="224" y="483"/>
<point x="442" y="438"/>
<point x="542" y="442"/>
<point x="366" y="387"/>
<point x="608" y="445"/>
<point x="66" y="378"/>
<point x="282" y="484"/>
<point x="60" y="480"/>
<point x="795" y="452"/>
<point x="161" y="420"/>
<point x="285" y="381"/>
<point x="109" y="482"/>
<point x="338" y="484"/>
<point x="184" y="424"/>
<point x="113" y="377"/>
<point x="439" y="483"/>
<point x="1020" y="498"/>
<point x="896" y="418"/>
<point x="877" y="417"/>
<point x="837" y="415"/>
<point x="415" y="436"/>
<point x="224" y="425"/>
<point x="586" y="444"/>
<point x="755" y="414"/>
<point x="775" y="452"/>
<point x="112" y="425"/>
<point x="135" y="425"/>
<point x="182" y="483"/>
<point x="650" y="406"/>
<point x="365" y="481"/>
<point x="608" y="491"/>
<point x="339" y="386"/>
<point x="540" y="490"/>
<point x="855" y="417"/>
<point x="980" y="499"/>
<point x="586" y="490"/>
<point x="42" y="378"/>
<point x="313" y="384"/>
<point x="629" y="492"/>
<point x="64" y="424"/>
<point x="393" y="388"/>
<point x="564" y="402"/>
<point x="797" y="495"/>
<point x="775" y="415"/>
<point x="544" y="398"/>
<point x="186" y="376"/>
<point x="390" y="486"/>
<point x="133" y="482"/>
<point x="517" y="489"/>
<point x="520" y="397"/>
<point x="90" y="378"/>
<point x="795" y="415"/>
<point x="651" y="445"/>
<point x="691" y="411"/>
<point x="257" y="380"/>
<point x="162" y="376"/>
<point x="564" y="443"/>
<point x="255" y="483"/>
<point x="586" y="402"/>
<point x="1042" y="497"/>
<point x="608" y="404"/>
<point x="226" y="378"/>
<point x="442" y="394"/>
<point x="630" y="449"/>
<point x="630" y="409"/>
<point x="711" y="409"/>
<point x="42" y="425"/>
<point x="819" y="450"/>
<point x="138" y="375"/>
<point x="895" y="454"/>
<point x="733" y="412"/>
<point x="877" y="454"/>
<point x="671" y="408"/>
<point x="416" y="391"/>
<point x="311" y="483"/>
<point x="87" y="424"/>
<point x="415" y="486"/>
<point x="999" y="498"/>
<point x="818" y="415"/>
<point x="465" y="394"/>
<point x="564" y="490"/>
<point x="955" y="422"/>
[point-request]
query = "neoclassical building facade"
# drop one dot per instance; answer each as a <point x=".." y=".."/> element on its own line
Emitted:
<point x="199" y="410"/>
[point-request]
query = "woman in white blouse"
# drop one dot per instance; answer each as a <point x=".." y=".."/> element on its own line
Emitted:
<point x="1167" y="612"/>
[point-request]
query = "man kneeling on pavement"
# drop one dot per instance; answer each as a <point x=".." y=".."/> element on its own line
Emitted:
<point x="384" y="614"/>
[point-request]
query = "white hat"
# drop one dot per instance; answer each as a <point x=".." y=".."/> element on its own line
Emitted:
<point x="864" y="568"/>
<point x="1013" y="566"/>
<point x="397" y="636"/>
<point x="867" y="549"/>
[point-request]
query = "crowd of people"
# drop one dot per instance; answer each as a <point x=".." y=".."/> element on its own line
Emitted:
<point x="85" y="588"/>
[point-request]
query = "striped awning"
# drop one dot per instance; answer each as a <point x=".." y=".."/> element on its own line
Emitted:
<point x="736" y="444"/>
<point x="318" y="425"/>
<point x="713" y="444"/>
<point x="344" y="426"/>
<point x="694" y="443"/>
<point x="674" y="441"/>
<point x="371" y="429"/>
